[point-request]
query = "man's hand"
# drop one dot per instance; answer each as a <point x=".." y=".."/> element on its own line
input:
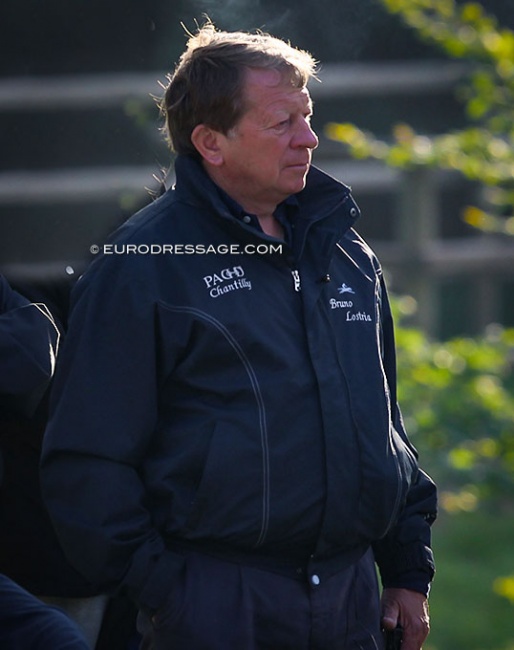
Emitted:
<point x="410" y="610"/>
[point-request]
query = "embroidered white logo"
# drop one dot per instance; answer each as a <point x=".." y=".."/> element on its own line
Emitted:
<point x="340" y="304"/>
<point x="348" y="305"/>
<point x="358" y="315"/>
<point x="344" y="288"/>
<point x="226" y="280"/>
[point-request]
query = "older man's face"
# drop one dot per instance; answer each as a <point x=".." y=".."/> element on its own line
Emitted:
<point x="267" y="155"/>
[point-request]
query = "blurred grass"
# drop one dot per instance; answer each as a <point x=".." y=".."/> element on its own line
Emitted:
<point x="472" y="550"/>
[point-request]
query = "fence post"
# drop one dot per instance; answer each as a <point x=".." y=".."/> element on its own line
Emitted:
<point x="416" y="229"/>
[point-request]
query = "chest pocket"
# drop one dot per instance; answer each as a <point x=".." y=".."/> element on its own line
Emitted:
<point x="352" y="304"/>
<point x="353" y="297"/>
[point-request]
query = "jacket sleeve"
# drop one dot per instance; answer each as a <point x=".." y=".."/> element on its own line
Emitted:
<point x="29" y="340"/>
<point x="404" y="555"/>
<point x="103" y="413"/>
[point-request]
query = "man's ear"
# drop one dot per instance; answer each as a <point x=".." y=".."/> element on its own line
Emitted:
<point x="207" y="143"/>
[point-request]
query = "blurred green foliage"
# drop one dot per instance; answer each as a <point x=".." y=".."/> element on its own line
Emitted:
<point x="457" y="398"/>
<point x="484" y="150"/>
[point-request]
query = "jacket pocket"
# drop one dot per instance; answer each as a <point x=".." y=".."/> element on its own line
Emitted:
<point x="385" y="484"/>
<point x="228" y="505"/>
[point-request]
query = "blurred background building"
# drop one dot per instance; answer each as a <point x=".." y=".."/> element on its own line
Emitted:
<point x="81" y="148"/>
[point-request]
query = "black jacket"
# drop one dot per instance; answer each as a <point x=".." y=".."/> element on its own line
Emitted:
<point x="240" y="402"/>
<point x="29" y="551"/>
<point x="29" y="340"/>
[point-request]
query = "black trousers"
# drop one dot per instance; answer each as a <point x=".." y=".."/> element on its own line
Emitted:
<point x="223" y="605"/>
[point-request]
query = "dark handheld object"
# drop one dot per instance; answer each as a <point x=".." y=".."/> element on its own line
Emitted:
<point x="393" y="638"/>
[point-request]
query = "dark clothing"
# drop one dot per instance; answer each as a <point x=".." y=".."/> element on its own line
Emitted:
<point x="29" y="340"/>
<point x="244" y="404"/>
<point x="221" y="605"/>
<point x="29" y="551"/>
<point x="28" y="344"/>
<point x="28" y="624"/>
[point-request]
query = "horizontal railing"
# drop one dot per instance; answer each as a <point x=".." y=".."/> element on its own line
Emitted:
<point x="90" y="91"/>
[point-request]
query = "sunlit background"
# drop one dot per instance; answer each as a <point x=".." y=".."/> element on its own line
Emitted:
<point x="80" y="140"/>
<point x="81" y="150"/>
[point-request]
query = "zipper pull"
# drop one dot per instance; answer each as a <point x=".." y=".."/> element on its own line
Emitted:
<point x="296" y="278"/>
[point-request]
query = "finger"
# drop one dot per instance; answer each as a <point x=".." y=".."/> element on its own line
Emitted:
<point x="390" y="616"/>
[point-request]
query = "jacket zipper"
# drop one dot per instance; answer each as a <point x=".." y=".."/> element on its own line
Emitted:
<point x="296" y="278"/>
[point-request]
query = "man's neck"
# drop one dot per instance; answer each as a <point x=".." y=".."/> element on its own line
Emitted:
<point x="271" y="226"/>
<point x="263" y="210"/>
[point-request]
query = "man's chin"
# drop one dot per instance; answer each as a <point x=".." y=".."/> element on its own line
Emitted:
<point x="297" y="182"/>
<point x="299" y="185"/>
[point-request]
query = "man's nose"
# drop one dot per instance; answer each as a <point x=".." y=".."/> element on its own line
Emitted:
<point x="306" y="137"/>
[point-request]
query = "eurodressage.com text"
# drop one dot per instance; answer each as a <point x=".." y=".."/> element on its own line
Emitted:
<point x="187" y="249"/>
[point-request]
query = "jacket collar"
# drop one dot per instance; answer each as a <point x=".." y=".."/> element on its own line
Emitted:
<point x="323" y="196"/>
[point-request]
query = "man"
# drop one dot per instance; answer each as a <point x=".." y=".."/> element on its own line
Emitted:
<point x="29" y="341"/>
<point x="30" y="554"/>
<point x="225" y="443"/>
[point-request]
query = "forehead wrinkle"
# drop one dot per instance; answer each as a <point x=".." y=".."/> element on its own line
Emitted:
<point x="279" y="96"/>
<point x="279" y="109"/>
<point x="285" y="102"/>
